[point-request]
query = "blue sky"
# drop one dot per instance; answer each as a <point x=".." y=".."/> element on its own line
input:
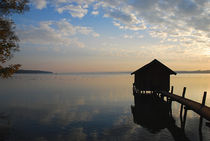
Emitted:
<point x="113" y="35"/>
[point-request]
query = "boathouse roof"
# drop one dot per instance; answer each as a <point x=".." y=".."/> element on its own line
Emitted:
<point x="152" y="65"/>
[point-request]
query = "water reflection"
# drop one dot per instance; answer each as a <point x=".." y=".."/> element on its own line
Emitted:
<point x="154" y="114"/>
<point x="5" y="126"/>
<point x="69" y="107"/>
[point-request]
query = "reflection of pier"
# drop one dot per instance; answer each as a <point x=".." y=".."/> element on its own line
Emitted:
<point x="154" y="114"/>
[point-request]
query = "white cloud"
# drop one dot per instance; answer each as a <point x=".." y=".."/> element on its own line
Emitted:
<point x="75" y="11"/>
<point x="95" y="34"/>
<point x="133" y="36"/>
<point x="94" y="12"/>
<point x="128" y="36"/>
<point x="177" y="21"/>
<point x="40" y="4"/>
<point x="167" y="20"/>
<point x="56" y="34"/>
<point x="67" y="29"/>
<point x="130" y="26"/>
<point x="77" y="8"/>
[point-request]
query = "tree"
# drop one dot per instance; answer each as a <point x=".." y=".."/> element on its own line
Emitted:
<point x="8" y="39"/>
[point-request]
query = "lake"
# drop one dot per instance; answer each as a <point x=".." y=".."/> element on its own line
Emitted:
<point x="90" y="107"/>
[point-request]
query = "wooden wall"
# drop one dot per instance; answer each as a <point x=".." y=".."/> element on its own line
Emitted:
<point x="150" y="81"/>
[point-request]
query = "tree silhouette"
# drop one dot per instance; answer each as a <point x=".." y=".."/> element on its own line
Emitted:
<point x="8" y="39"/>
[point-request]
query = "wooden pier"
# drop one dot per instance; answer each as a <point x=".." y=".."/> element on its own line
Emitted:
<point x="199" y="108"/>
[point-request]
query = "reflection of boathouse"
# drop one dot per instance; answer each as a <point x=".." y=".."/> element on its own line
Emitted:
<point x="151" y="112"/>
<point x="154" y="114"/>
<point x="154" y="76"/>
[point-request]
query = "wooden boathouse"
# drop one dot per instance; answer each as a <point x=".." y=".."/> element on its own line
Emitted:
<point x="154" y="76"/>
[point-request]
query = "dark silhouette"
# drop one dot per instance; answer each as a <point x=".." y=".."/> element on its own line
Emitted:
<point x="154" y="76"/>
<point x="8" y="38"/>
<point x="154" y="114"/>
<point x="33" y="71"/>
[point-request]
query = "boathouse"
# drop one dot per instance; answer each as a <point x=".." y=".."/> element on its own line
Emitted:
<point x="154" y="76"/>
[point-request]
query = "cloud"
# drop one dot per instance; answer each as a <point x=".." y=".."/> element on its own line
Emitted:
<point x="178" y="22"/>
<point x="76" y="11"/>
<point x="77" y="8"/>
<point x="40" y="4"/>
<point x="67" y="29"/>
<point x="122" y="16"/>
<point x="94" y="12"/>
<point x="55" y="33"/>
<point x="166" y="20"/>
<point x="188" y="8"/>
<point x="135" y="35"/>
<point x="128" y="26"/>
<point x="128" y="36"/>
<point x="126" y="20"/>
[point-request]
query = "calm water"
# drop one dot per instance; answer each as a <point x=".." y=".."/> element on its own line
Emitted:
<point x="88" y="107"/>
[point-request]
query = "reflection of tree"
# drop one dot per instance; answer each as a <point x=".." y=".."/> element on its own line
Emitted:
<point x="8" y="38"/>
<point x="5" y="126"/>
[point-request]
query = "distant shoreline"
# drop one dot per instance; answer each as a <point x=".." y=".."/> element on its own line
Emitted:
<point x="199" y="71"/>
<point x="98" y="73"/>
<point x="127" y="72"/>
<point x="33" y="72"/>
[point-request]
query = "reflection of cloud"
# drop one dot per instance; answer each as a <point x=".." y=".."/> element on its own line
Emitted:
<point x="66" y="116"/>
<point x="73" y="123"/>
<point x="76" y="134"/>
<point x="40" y="139"/>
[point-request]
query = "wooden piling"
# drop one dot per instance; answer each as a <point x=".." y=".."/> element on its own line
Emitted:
<point x="200" y="109"/>
<point x="200" y="124"/>
<point x="181" y="109"/>
<point x="201" y="118"/>
<point x="185" y="117"/>
<point x="168" y="98"/>
<point x="204" y="98"/>
<point x="172" y="89"/>
<point x="183" y="93"/>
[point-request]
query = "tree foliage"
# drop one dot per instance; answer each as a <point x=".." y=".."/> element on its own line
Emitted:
<point x="8" y="39"/>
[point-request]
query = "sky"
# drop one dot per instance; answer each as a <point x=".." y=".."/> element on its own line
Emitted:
<point x="113" y="35"/>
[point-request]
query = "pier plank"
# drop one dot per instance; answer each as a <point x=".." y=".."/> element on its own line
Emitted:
<point x="200" y="109"/>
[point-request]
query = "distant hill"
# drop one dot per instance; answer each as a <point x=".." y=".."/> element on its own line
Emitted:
<point x="32" y="71"/>
<point x="198" y="71"/>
